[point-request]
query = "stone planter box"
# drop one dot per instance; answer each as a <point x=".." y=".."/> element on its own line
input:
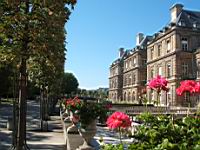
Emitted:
<point x="73" y="140"/>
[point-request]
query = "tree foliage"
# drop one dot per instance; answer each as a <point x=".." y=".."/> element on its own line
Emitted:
<point x="42" y="31"/>
<point x="69" y="84"/>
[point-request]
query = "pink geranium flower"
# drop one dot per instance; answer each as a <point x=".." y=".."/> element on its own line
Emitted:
<point x="187" y="86"/>
<point x="118" y="120"/>
<point x="158" y="83"/>
<point x="179" y="91"/>
<point x="197" y="87"/>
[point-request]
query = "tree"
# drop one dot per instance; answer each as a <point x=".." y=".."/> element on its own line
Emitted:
<point x="69" y="84"/>
<point x="26" y="33"/>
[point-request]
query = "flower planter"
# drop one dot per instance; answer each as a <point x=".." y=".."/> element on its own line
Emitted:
<point x="87" y="134"/>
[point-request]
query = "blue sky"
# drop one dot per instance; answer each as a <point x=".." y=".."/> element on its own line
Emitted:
<point x="98" y="28"/>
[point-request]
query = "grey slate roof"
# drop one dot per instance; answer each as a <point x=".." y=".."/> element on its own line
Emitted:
<point x="186" y="19"/>
<point x="189" y="19"/>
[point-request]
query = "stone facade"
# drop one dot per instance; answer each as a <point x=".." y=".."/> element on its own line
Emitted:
<point x="128" y="73"/>
<point x="115" y="80"/>
<point x="134" y="75"/>
<point x="173" y="52"/>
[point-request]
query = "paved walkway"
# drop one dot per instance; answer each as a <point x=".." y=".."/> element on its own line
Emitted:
<point x="36" y="140"/>
<point x="51" y="140"/>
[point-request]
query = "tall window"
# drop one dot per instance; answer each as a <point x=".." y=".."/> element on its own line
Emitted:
<point x="115" y="96"/>
<point x="151" y="95"/>
<point x="169" y="97"/>
<point x="152" y="53"/>
<point x="129" y="96"/>
<point x="169" y="70"/>
<point x="133" y="96"/>
<point x="116" y="71"/>
<point x="185" y="69"/>
<point x="198" y="69"/>
<point x="151" y="72"/>
<point x="124" y="96"/>
<point x="144" y="62"/>
<point x="134" y="78"/>
<point x="159" y="70"/>
<point x="184" y="44"/>
<point x="129" y="80"/>
<point x="159" y="50"/>
<point x="126" y="80"/>
<point x="186" y="99"/>
<point x="129" y="63"/>
<point x="134" y="61"/>
<point x="168" y="46"/>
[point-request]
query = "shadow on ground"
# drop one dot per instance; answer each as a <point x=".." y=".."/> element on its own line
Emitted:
<point x="5" y="140"/>
<point x="46" y="147"/>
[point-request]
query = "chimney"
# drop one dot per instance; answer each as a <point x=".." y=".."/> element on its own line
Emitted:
<point x="139" y="38"/>
<point x="175" y="11"/>
<point x="121" y="52"/>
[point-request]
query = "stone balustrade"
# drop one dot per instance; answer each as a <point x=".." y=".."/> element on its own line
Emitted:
<point x="135" y="110"/>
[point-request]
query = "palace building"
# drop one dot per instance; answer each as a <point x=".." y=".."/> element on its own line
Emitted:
<point x="173" y="52"/>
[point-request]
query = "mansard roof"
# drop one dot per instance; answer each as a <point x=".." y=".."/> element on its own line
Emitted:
<point x="186" y="19"/>
<point x="190" y="19"/>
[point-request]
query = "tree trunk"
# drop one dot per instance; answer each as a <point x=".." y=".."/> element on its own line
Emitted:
<point x="21" y="133"/>
<point x="43" y="109"/>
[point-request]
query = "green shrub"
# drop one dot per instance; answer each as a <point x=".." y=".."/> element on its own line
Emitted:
<point x="163" y="132"/>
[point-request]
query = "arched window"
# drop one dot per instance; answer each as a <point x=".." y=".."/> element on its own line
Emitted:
<point x="133" y="96"/>
<point x="129" y="80"/>
<point x="133" y="78"/>
<point x="124" y="96"/>
<point x="129" y="96"/>
<point x="151" y="96"/>
<point x="115" y="96"/>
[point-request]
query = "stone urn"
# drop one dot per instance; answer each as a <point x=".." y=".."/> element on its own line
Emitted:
<point x="87" y="134"/>
<point x="74" y="118"/>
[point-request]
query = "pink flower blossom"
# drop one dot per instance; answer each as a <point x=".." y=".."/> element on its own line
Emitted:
<point x="158" y="83"/>
<point x="118" y="120"/>
<point x="197" y="87"/>
<point x="187" y="86"/>
<point x="179" y="91"/>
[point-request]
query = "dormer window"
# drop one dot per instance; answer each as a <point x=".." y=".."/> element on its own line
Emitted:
<point x="184" y="44"/>
<point x="195" y="25"/>
<point x="182" y="23"/>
